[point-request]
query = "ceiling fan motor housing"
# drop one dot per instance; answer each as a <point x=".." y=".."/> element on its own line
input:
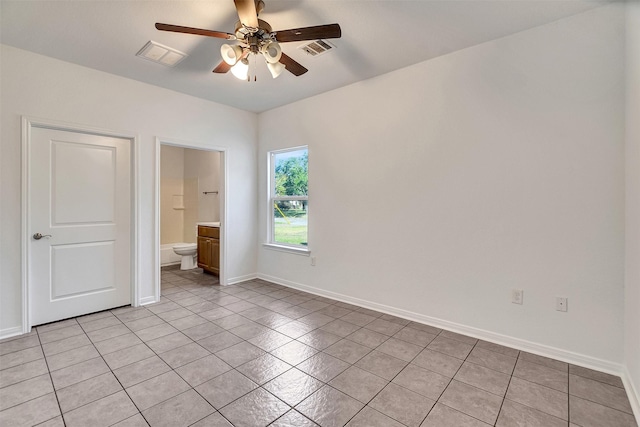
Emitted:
<point x="263" y="31"/>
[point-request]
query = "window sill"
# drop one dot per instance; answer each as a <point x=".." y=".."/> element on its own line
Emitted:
<point x="289" y="249"/>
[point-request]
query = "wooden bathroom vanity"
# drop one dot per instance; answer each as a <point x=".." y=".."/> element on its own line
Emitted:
<point x="209" y="248"/>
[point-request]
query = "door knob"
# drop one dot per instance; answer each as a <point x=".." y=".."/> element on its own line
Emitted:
<point x="39" y="236"/>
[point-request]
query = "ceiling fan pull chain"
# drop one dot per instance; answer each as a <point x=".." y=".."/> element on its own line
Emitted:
<point x="255" y="74"/>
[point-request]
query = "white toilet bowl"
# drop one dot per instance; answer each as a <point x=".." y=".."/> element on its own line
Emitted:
<point x="188" y="253"/>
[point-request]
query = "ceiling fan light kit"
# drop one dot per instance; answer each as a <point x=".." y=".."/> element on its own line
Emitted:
<point x="255" y="36"/>
<point x="230" y="54"/>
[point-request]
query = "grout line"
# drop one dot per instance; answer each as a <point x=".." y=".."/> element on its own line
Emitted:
<point x="110" y="371"/>
<point x="191" y="387"/>
<point x="398" y="373"/>
<point x="51" y="379"/>
<point x="569" y="393"/>
<point x="451" y="379"/>
<point x="506" y="391"/>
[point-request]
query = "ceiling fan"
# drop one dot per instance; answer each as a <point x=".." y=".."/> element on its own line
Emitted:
<point x="255" y="36"/>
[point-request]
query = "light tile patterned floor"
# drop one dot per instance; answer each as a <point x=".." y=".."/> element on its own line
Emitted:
<point x="257" y="354"/>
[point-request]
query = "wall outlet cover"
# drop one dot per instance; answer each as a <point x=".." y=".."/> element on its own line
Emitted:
<point x="562" y="303"/>
<point x="517" y="296"/>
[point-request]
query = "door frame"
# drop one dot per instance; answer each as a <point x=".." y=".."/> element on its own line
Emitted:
<point x="223" y="204"/>
<point x="28" y="123"/>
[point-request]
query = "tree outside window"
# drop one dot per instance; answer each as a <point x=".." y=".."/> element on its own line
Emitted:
<point x="289" y="196"/>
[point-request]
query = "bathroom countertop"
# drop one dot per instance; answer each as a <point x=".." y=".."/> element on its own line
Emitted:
<point x="209" y="224"/>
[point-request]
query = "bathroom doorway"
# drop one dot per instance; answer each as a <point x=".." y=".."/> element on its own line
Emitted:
<point x="190" y="195"/>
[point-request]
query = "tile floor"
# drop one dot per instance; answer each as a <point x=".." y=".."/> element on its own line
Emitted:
<point x="257" y="354"/>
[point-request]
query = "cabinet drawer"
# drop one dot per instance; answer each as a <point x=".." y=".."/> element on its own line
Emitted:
<point x="213" y="232"/>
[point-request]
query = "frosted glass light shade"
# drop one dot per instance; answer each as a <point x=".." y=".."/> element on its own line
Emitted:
<point x="241" y="69"/>
<point x="276" y="69"/>
<point x="272" y="52"/>
<point x="231" y="54"/>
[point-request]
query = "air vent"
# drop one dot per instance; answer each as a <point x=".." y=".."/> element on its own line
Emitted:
<point x="161" y="54"/>
<point x="317" y="47"/>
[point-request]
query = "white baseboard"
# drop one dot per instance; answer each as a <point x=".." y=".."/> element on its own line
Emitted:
<point x="517" y="343"/>
<point x="169" y="264"/>
<point x="147" y="300"/>
<point x="238" y="279"/>
<point x="633" y="392"/>
<point x="10" y="332"/>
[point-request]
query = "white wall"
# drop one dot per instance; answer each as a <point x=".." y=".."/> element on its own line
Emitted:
<point x="209" y="204"/>
<point x="172" y="161"/>
<point x="185" y="174"/>
<point x="438" y="188"/>
<point x="38" y="86"/>
<point x="202" y="172"/>
<point x="632" y="279"/>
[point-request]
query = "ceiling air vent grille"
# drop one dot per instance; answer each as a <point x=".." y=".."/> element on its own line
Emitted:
<point x="317" y="47"/>
<point x="161" y="54"/>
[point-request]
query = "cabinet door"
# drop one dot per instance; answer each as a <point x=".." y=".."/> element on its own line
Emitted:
<point x="215" y="256"/>
<point x="204" y="252"/>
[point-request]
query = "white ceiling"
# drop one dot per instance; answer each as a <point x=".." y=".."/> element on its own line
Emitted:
<point x="377" y="37"/>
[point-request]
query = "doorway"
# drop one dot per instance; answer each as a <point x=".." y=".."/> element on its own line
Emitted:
<point x="190" y="192"/>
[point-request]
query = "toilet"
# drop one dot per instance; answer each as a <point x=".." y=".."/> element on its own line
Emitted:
<point x="188" y="253"/>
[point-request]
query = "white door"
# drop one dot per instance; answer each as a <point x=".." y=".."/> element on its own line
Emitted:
<point x="80" y="201"/>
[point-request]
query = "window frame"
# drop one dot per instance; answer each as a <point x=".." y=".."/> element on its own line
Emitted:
<point x="271" y="243"/>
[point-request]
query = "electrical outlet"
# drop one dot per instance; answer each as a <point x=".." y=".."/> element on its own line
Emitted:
<point x="516" y="296"/>
<point x="313" y="261"/>
<point x="561" y="303"/>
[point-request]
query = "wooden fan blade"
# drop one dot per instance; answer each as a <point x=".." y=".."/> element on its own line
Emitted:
<point x="247" y="12"/>
<point x="197" y="31"/>
<point x="222" y="68"/>
<point x="293" y="66"/>
<point x="330" y="31"/>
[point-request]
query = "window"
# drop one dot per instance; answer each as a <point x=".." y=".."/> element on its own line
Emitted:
<point x="288" y="198"/>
